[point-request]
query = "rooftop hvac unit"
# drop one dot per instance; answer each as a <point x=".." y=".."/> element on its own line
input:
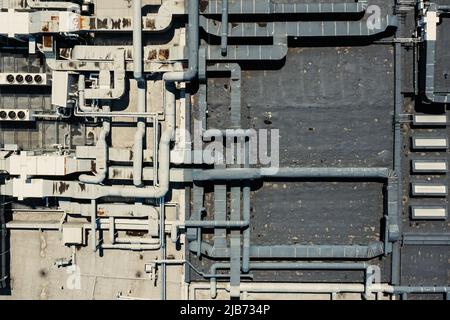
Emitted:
<point x="23" y="79"/>
<point x="16" y="115"/>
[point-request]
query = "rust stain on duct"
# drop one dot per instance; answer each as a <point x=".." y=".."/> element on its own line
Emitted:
<point x="47" y="41"/>
<point x="152" y="55"/>
<point x="46" y="27"/>
<point x="63" y="187"/>
<point x="150" y="24"/>
<point x="92" y="23"/>
<point x="116" y="24"/>
<point x="93" y="167"/>
<point x="126" y="23"/>
<point x="115" y="173"/>
<point x="135" y="233"/>
<point x="102" y="24"/>
<point x="163" y="54"/>
<point x="129" y="54"/>
<point x="65" y="52"/>
<point x="203" y="4"/>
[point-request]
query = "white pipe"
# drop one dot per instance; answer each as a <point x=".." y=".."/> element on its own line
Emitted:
<point x="137" y="240"/>
<point x="141" y="94"/>
<point x="274" y="287"/>
<point x="102" y="146"/>
<point x="94" y="224"/>
<point x="163" y="159"/>
<point x="131" y="246"/>
<point x="112" y="231"/>
<point x="63" y="5"/>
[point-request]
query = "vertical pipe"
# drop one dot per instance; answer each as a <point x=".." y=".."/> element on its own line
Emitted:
<point x="81" y="89"/>
<point x="246" y="213"/>
<point x="3" y="244"/>
<point x="155" y="150"/>
<point x="94" y="225"/>
<point x="224" y="28"/>
<point x="169" y="133"/>
<point x="235" y="244"/>
<point x="395" y="276"/>
<point x="137" y="39"/>
<point x="112" y="230"/>
<point x="141" y="93"/>
<point x="163" y="247"/>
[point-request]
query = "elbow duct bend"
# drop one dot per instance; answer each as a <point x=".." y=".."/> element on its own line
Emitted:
<point x="193" y="44"/>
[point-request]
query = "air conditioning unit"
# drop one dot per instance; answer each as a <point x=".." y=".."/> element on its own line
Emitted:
<point x="23" y="79"/>
<point x="16" y="115"/>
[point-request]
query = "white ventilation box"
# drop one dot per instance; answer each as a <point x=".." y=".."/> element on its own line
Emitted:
<point x="60" y="88"/>
<point x="430" y="119"/>
<point x="72" y="235"/>
<point x="430" y="143"/>
<point x="428" y="212"/>
<point x="429" y="166"/>
<point x="429" y="189"/>
<point x="42" y="165"/>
